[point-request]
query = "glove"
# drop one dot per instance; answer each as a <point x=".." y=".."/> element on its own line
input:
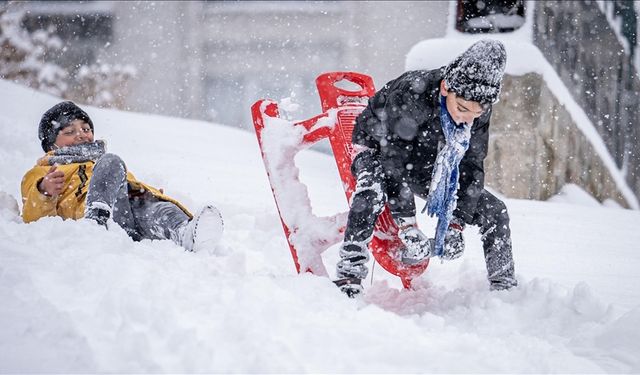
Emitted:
<point x="417" y="246"/>
<point x="453" y="240"/>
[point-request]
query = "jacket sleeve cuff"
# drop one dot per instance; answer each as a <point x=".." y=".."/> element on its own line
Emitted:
<point x="37" y="205"/>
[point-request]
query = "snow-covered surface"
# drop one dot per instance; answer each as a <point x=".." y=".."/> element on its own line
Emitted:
<point x="77" y="298"/>
<point x="522" y="57"/>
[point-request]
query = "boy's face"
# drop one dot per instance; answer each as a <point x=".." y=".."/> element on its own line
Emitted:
<point x="78" y="132"/>
<point x="461" y="110"/>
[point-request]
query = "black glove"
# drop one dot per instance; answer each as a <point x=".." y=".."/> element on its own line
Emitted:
<point x="453" y="240"/>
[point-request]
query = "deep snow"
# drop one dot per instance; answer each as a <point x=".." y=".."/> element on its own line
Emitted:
<point x="77" y="298"/>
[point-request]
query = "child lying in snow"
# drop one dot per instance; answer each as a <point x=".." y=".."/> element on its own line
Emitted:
<point x="76" y="179"/>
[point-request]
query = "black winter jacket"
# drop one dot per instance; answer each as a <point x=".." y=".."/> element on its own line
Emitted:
<point x="402" y="123"/>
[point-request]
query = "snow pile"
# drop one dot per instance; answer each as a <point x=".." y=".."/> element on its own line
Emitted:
<point x="77" y="298"/>
<point x="574" y="194"/>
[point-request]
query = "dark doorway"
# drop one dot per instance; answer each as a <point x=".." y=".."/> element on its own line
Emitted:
<point x="489" y="16"/>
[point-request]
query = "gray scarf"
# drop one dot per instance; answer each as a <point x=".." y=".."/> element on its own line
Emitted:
<point x="78" y="153"/>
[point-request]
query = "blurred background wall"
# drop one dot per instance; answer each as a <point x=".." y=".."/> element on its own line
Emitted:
<point x="211" y="60"/>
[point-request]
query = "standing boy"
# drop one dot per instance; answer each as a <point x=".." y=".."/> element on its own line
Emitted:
<point x="426" y="133"/>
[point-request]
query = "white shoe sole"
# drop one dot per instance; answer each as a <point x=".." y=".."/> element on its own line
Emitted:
<point x="209" y="228"/>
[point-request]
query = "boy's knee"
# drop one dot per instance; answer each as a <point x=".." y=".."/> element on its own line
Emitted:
<point x="499" y="210"/>
<point x="493" y="209"/>
<point x="110" y="160"/>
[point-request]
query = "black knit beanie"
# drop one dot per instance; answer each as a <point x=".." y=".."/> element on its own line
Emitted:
<point x="476" y="74"/>
<point x="57" y="118"/>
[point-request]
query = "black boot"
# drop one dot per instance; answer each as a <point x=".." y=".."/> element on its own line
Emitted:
<point x="99" y="215"/>
<point x="350" y="286"/>
<point x="353" y="260"/>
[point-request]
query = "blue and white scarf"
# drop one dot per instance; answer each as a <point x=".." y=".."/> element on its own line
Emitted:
<point x="441" y="201"/>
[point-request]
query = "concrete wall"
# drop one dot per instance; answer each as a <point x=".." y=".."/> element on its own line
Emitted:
<point x="212" y="60"/>
<point x="535" y="148"/>
<point x="153" y="37"/>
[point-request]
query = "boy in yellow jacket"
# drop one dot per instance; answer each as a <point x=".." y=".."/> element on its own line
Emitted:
<point x="76" y="178"/>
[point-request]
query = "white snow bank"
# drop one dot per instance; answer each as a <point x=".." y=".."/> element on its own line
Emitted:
<point x="572" y="193"/>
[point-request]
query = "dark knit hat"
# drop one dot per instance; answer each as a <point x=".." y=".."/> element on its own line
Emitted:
<point x="476" y="74"/>
<point x="57" y="118"/>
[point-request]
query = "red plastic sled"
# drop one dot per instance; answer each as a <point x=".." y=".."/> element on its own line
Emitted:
<point x="280" y="140"/>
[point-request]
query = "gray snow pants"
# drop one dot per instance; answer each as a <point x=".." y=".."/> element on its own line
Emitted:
<point x="374" y="188"/>
<point x="142" y="216"/>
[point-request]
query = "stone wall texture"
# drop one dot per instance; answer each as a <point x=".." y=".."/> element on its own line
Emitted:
<point x="536" y="148"/>
<point x="576" y="38"/>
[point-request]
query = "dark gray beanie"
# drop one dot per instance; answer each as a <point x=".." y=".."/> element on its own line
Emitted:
<point x="476" y="74"/>
<point x="57" y="118"/>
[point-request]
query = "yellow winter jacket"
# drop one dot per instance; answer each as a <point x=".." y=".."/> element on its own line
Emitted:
<point x="70" y="203"/>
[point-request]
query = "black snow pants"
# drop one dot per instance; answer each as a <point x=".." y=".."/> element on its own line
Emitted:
<point x="374" y="188"/>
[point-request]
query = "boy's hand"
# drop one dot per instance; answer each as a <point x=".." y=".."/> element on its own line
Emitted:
<point x="52" y="183"/>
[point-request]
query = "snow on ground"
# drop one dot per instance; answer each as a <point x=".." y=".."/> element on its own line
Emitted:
<point x="77" y="298"/>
